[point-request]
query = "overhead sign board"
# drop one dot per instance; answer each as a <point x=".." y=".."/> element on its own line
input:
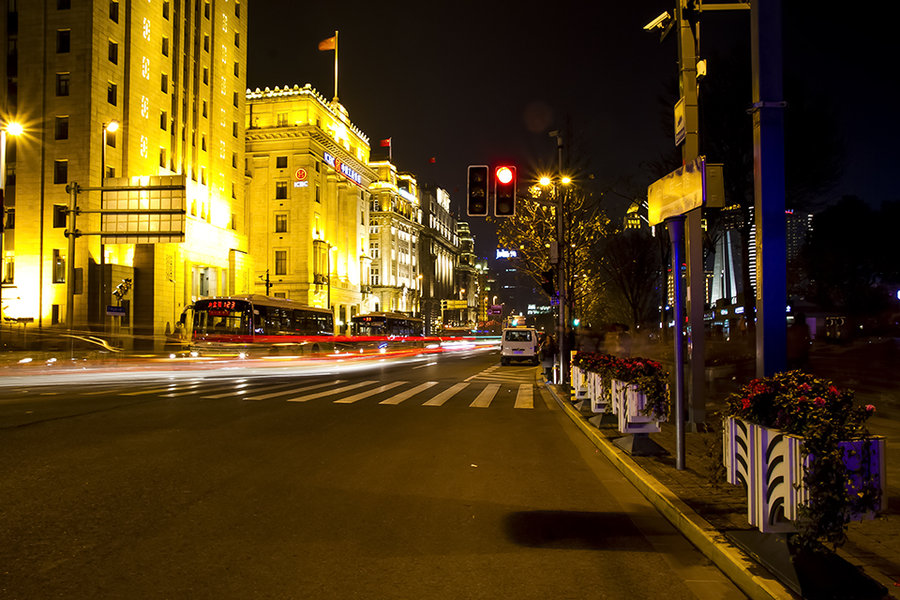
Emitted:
<point x="680" y="129"/>
<point x="143" y="210"/>
<point x="694" y="185"/>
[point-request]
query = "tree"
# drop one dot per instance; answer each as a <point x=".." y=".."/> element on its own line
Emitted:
<point x="630" y="265"/>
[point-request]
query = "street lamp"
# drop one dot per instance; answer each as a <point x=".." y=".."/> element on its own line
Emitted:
<point x="14" y="129"/>
<point x="559" y="201"/>
<point x="110" y="127"/>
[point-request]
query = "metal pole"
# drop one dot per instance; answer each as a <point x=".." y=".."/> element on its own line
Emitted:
<point x="768" y="180"/>
<point x="561" y="266"/>
<point x="676" y="234"/>
<point x="2" y="220"/>
<point x="102" y="283"/>
<point x="696" y="292"/>
<point x="72" y="188"/>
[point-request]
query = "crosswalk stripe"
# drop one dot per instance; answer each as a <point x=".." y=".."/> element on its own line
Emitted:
<point x="367" y="393"/>
<point x="192" y="389"/>
<point x="483" y="400"/>
<point x="293" y="390"/>
<point x="525" y="396"/>
<point x="346" y="388"/>
<point x="173" y="387"/>
<point x="446" y="394"/>
<point x="408" y="393"/>
<point x="240" y="392"/>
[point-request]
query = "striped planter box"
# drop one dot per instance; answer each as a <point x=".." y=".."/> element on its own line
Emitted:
<point x="770" y="465"/>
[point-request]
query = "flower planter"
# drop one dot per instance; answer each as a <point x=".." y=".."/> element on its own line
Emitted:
<point x="631" y="407"/>
<point x="579" y="387"/>
<point x="771" y="465"/>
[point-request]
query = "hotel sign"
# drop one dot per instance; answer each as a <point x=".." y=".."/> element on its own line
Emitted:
<point x="339" y="166"/>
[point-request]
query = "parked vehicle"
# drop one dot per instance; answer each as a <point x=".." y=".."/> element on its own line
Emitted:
<point x="519" y="343"/>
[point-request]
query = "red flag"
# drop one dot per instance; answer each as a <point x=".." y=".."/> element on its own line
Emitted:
<point x="386" y="143"/>
<point x="327" y="44"/>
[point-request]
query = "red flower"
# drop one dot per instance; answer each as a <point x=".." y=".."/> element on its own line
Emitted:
<point x="819" y="400"/>
<point x="870" y="408"/>
<point x="745" y="403"/>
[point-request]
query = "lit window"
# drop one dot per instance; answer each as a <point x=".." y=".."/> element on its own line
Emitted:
<point x="281" y="223"/>
<point x="281" y="262"/>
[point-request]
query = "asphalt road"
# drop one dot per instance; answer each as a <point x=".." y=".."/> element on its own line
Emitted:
<point x="440" y="477"/>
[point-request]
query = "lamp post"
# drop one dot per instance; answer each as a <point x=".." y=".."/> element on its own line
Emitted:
<point x="13" y="129"/>
<point x="562" y="323"/>
<point x="110" y="127"/>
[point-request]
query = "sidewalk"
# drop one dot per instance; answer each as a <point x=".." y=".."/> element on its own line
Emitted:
<point x="707" y="513"/>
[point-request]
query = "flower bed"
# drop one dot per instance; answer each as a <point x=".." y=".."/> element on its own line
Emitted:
<point x="801" y="447"/>
<point x="644" y="375"/>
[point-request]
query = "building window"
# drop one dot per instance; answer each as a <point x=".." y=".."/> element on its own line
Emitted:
<point x="281" y="190"/>
<point x="234" y="98"/>
<point x="111" y="139"/>
<point x="374" y="250"/>
<point x="206" y="43"/>
<point x="9" y="269"/>
<point x="281" y="162"/>
<point x="163" y="119"/>
<point x="114" y="11"/>
<point x="234" y="129"/>
<point x="234" y="161"/>
<point x="281" y="119"/>
<point x="62" y="128"/>
<point x="164" y="83"/>
<point x="63" y="4"/>
<point x="60" y="171"/>
<point x="281" y="223"/>
<point x="63" y="39"/>
<point x="60" y="212"/>
<point x="237" y="9"/>
<point x="62" y="84"/>
<point x="54" y="314"/>
<point x="162" y="157"/>
<point x="206" y="9"/>
<point x="206" y="75"/>
<point x="237" y="39"/>
<point x="203" y="109"/>
<point x="281" y="262"/>
<point x="318" y="198"/>
<point x="166" y="9"/>
<point x="203" y="142"/>
<point x="202" y="175"/>
<point x="165" y="46"/>
<point x="112" y="92"/>
<point x="237" y="69"/>
<point x="375" y="276"/>
<point x="59" y="266"/>
<point x="113" y="52"/>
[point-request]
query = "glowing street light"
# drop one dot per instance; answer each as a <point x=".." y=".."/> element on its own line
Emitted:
<point x="14" y="129"/>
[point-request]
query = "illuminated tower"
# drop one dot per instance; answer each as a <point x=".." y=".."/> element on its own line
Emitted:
<point x="396" y="222"/>
<point x="309" y="196"/>
<point x="172" y="75"/>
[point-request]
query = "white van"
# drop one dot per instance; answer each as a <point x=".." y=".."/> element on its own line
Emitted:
<point x="519" y="343"/>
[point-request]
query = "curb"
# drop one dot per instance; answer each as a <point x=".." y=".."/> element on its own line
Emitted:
<point x="749" y="576"/>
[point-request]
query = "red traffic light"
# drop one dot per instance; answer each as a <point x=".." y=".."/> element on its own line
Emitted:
<point x="504" y="191"/>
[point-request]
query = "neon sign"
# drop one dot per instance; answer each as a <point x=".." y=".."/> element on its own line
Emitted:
<point x="506" y="253"/>
<point x="339" y="166"/>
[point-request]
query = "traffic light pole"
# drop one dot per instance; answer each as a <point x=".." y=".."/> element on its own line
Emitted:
<point x="561" y="267"/>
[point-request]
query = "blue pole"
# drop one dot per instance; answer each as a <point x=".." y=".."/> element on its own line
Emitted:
<point x="676" y="235"/>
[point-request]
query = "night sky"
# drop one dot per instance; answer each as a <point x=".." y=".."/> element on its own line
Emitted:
<point x="483" y="82"/>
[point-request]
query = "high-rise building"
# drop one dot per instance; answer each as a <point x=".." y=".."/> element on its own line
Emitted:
<point x="438" y="255"/>
<point x="171" y="75"/>
<point x="309" y="195"/>
<point x="394" y="228"/>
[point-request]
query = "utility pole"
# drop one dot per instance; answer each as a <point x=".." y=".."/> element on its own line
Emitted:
<point x="696" y="291"/>
<point x="768" y="185"/>
<point x="562" y="280"/>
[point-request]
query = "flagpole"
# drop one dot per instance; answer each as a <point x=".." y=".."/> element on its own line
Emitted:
<point x="335" y="65"/>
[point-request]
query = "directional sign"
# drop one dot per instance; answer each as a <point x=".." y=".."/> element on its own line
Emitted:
<point x="694" y="185"/>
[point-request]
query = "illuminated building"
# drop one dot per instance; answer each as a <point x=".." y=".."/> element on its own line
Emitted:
<point x="309" y="196"/>
<point x="394" y="228"/>
<point x="172" y="74"/>
<point x="466" y="276"/>
<point x="438" y="255"/>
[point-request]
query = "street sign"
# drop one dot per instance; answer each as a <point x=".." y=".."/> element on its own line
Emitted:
<point x="116" y="311"/>
<point x="680" y="130"/>
<point x="454" y="304"/>
<point x="495" y="309"/>
<point x="139" y="210"/>
<point x="691" y="186"/>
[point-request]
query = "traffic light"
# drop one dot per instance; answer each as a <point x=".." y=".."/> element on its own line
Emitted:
<point x="504" y="191"/>
<point x="477" y="191"/>
<point x="547" y="282"/>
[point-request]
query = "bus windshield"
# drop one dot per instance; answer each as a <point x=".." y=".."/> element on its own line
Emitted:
<point x="221" y="317"/>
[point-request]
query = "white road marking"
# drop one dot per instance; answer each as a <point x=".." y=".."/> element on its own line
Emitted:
<point x="525" y="396"/>
<point x="241" y="392"/>
<point x="346" y="388"/>
<point x="367" y="393"/>
<point x="294" y="390"/>
<point x="446" y="394"/>
<point x="408" y="393"/>
<point x="487" y="394"/>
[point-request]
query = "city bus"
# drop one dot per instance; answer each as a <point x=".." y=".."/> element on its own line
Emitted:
<point x="387" y="330"/>
<point x="256" y="324"/>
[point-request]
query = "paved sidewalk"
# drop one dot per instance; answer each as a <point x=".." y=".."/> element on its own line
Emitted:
<point x="704" y="511"/>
